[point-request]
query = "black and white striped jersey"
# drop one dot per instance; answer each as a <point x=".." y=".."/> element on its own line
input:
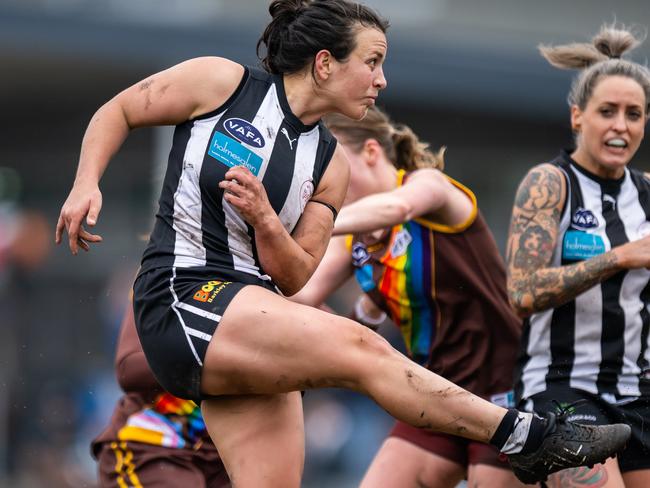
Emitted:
<point x="599" y="341"/>
<point x="195" y="227"/>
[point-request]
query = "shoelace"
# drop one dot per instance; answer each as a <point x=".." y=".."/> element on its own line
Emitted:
<point x="563" y="412"/>
<point x="584" y="432"/>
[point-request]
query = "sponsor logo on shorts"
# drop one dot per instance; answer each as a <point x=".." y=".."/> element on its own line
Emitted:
<point x="210" y="290"/>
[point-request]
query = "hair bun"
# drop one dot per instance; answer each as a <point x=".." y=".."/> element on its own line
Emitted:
<point x="613" y="42"/>
<point x="287" y="10"/>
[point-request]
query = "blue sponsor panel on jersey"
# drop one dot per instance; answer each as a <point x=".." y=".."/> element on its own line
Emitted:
<point x="232" y="153"/>
<point x="578" y="245"/>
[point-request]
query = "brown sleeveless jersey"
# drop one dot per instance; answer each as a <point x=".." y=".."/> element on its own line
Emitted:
<point x="445" y="287"/>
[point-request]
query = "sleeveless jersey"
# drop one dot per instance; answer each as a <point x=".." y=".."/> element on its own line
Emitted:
<point x="445" y="287"/>
<point x="195" y="227"/>
<point x="597" y="342"/>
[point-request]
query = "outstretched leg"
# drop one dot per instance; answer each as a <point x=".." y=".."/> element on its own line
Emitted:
<point x="265" y="344"/>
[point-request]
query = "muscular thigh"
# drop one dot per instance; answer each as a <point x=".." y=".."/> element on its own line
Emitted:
<point x="266" y="344"/>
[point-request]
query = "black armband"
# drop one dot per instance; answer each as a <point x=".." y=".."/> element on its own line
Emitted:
<point x="331" y="207"/>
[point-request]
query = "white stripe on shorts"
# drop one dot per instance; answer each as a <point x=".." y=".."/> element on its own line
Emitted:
<point x="199" y="311"/>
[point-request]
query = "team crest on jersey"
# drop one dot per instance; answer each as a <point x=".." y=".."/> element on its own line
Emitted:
<point x="584" y="219"/>
<point x="244" y="131"/>
<point x="306" y="191"/>
<point x="360" y="254"/>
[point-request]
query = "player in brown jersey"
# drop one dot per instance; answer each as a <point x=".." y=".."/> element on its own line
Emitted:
<point x="153" y="438"/>
<point x="434" y="268"/>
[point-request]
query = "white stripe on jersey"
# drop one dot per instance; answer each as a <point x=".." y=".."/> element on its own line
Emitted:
<point x="306" y="150"/>
<point x="589" y="314"/>
<point x="267" y="120"/>
<point x="635" y="280"/>
<point x="188" y="249"/>
<point x="539" y="350"/>
<point x="588" y="305"/>
<point x="239" y="242"/>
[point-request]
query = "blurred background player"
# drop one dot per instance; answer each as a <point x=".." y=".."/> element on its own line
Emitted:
<point x="154" y="438"/>
<point x="424" y="256"/>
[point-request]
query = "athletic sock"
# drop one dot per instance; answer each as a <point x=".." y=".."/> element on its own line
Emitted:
<point x="519" y="432"/>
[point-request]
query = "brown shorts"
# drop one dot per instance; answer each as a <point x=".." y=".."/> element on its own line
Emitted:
<point x="456" y="449"/>
<point x="123" y="464"/>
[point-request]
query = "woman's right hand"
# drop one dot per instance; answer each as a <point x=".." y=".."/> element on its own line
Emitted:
<point x="634" y="254"/>
<point x="84" y="201"/>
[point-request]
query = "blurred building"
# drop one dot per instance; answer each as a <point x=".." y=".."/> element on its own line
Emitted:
<point x="464" y="73"/>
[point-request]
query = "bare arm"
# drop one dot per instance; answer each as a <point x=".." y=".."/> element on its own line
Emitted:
<point x="332" y="272"/>
<point x="426" y="192"/>
<point x="166" y="98"/>
<point x="290" y="259"/>
<point x="533" y="286"/>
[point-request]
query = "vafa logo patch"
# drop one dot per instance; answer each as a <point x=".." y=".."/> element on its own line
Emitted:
<point x="244" y="131"/>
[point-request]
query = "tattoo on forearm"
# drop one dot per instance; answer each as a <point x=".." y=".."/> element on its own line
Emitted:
<point x="533" y="233"/>
<point x="550" y="288"/>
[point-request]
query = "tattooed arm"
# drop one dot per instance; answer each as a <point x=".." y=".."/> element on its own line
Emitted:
<point x="533" y="286"/>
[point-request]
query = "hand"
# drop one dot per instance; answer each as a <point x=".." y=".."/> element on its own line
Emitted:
<point x="634" y="254"/>
<point x="84" y="201"/>
<point x="245" y="192"/>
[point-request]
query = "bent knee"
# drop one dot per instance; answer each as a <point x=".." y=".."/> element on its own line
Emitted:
<point x="369" y="348"/>
<point x="373" y="342"/>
